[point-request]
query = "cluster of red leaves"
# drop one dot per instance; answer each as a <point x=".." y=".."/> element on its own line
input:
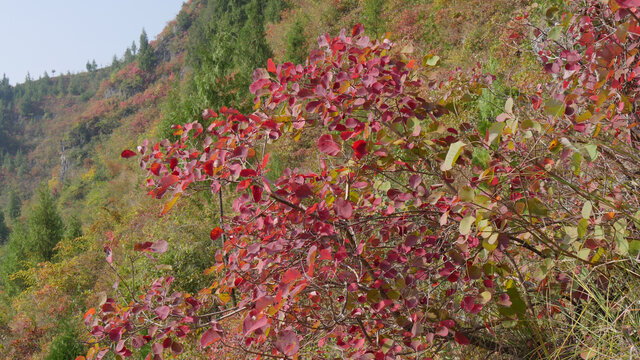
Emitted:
<point x="390" y="246"/>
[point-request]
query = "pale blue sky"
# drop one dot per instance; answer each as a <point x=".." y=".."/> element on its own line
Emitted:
<point x="44" y="35"/>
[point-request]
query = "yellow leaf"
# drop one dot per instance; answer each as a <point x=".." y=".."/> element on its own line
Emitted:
<point x="170" y="204"/>
<point x="224" y="297"/>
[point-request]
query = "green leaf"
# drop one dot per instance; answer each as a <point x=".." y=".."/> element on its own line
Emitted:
<point x="508" y="106"/>
<point x="536" y="207"/>
<point x="586" y="210"/>
<point x="466" y="223"/>
<point x="531" y="124"/>
<point x="495" y="131"/>
<point x="554" y="107"/>
<point x="576" y="162"/>
<point x="584" y="253"/>
<point x="555" y="33"/>
<point x="517" y="307"/>
<point x="430" y="60"/>
<point x="385" y="186"/>
<point x="466" y="193"/>
<point x="592" y="151"/>
<point x="620" y="228"/>
<point x="634" y="247"/>
<point x="583" y="225"/>
<point x="454" y="152"/>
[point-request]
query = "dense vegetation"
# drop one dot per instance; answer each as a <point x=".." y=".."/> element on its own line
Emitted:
<point x="450" y="180"/>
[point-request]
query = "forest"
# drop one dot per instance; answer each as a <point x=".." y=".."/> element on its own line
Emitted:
<point x="344" y="179"/>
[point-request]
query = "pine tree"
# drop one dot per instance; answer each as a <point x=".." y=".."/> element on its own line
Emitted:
<point x="45" y="227"/>
<point x="14" y="206"/>
<point x="296" y="41"/>
<point x="146" y="55"/>
<point x="4" y="230"/>
<point x="252" y="45"/>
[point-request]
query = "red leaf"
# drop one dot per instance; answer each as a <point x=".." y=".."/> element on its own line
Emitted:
<point x="168" y="181"/>
<point x="256" y="191"/>
<point x="143" y="246"/>
<point x="209" y="337"/>
<point x="415" y="180"/>
<point x="177" y="348"/>
<point x="248" y="172"/>
<point x="360" y="149"/>
<point x="271" y="67"/>
<point x="252" y="324"/>
<point x="357" y="29"/>
<point x="208" y="167"/>
<point x="287" y="343"/>
<point x="215" y="233"/>
<point x="461" y="338"/>
<point x="343" y="208"/>
<point x="127" y="154"/>
<point x="290" y="275"/>
<point x="162" y="312"/>
<point x="208" y="114"/>
<point x="442" y="331"/>
<point x="328" y="146"/>
<point x="155" y="169"/>
<point x="628" y="3"/>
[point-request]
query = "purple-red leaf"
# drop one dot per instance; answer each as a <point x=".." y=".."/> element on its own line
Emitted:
<point x="461" y="338"/>
<point x="628" y="3"/>
<point x="328" y="146"/>
<point x="209" y="337"/>
<point x="343" y="208"/>
<point x="252" y="324"/>
<point x="162" y="312"/>
<point x="287" y="343"/>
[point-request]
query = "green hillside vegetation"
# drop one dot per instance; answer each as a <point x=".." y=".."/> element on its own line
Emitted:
<point x="75" y="214"/>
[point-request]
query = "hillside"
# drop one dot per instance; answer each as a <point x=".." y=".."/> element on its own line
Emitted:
<point x="367" y="179"/>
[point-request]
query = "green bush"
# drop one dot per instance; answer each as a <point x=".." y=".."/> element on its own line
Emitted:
<point x="66" y="345"/>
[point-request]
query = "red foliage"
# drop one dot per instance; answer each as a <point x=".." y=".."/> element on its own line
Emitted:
<point x="400" y="239"/>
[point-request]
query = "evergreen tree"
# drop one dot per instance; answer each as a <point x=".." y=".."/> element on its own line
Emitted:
<point x="134" y="48"/>
<point x="128" y="56"/>
<point x="73" y="228"/>
<point x="14" y="260"/>
<point x="60" y="88"/>
<point x="146" y="55"/>
<point x="14" y="206"/>
<point x="296" y="50"/>
<point x="252" y="45"/>
<point x="75" y="85"/>
<point x="115" y="63"/>
<point x="4" y="230"/>
<point x="45" y="228"/>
